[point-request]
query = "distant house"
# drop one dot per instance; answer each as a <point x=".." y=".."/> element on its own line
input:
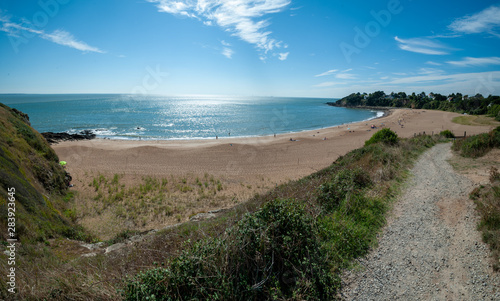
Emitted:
<point x="432" y="96"/>
<point x="450" y="99"/>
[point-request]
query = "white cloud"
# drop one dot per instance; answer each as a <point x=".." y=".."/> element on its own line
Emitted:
<point x="433" y="63"/>
<point x="225" y="43"/>
<point x="227" y="52"/>
<point x="420" y="45"/>
<point x="240" y="17"/>
<point x="484" y="21"/>
<point x="430" y="71"/>
<point x="60" y="37"/>
<point x="476" y="61"/>
<point x="329" y="72"/>
<point x="283" y="56"/>
<point x="327" y="84"/>
<point x="345" y="76"/>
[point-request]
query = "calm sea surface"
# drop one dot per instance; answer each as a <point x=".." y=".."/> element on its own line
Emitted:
<point x="188" y="117"/>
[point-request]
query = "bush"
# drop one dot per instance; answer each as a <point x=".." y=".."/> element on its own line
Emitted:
<point x="473" y="146"/>
<point x="343" y="185"/>
<point x="272" y="254"/>
<point x="447" y="134"/>
<point x="385" y="135"/>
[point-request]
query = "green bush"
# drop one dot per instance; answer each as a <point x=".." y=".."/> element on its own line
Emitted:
<point x="343" y="185"/>
<point x="474" y="146"/>
<point x="272" y="254"/>
<point x="384" y="135"/>
<point x="447" y="134"/>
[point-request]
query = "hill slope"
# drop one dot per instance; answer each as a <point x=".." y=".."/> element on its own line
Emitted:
<point x="30" y="166"/>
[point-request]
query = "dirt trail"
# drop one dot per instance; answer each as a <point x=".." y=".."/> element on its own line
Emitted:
<point x="430" y="249"/>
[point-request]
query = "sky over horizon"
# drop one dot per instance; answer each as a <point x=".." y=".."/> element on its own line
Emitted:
<point x="250" y="48"/>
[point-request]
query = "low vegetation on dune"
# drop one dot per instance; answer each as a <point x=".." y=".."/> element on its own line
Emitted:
<point x="112" y="204"/>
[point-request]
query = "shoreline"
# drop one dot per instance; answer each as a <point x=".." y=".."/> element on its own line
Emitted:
<point x="386" y="112"/>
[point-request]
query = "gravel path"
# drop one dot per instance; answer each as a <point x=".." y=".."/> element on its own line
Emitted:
<point x="430" y="249"/>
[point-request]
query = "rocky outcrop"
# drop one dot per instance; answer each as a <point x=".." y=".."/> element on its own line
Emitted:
<point x="58" y="137"/>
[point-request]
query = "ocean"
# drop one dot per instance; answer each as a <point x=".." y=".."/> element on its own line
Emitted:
<point x="118" y="116"/>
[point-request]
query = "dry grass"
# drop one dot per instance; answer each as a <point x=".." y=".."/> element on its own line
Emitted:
<point x="476" y="120"/>
<point x="109" y="204"/>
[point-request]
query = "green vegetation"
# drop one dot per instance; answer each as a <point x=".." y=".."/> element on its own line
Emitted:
<point x="475" y="120"/>
<point x="474" y="105"/>
<point x="478" y="145"/>
<point x="384" y="135"/>
<point x="296" y="239"/>
<point x="30" y="166"/>
<point x="447" y="134"/>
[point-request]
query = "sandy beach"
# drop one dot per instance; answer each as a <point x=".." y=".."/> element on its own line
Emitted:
<point x="244" y="166"/>
<point x="275" y="158"/>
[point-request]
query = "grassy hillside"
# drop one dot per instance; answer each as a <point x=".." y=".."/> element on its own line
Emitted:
<point x="30" y="166"/>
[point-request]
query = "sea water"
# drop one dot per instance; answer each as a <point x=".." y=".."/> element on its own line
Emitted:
<point x="119" y="116"/>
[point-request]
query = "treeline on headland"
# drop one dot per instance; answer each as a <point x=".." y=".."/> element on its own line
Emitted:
<point x="456" y="102"/>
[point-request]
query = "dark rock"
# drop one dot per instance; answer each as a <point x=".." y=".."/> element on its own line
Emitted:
<point x="57" y="137"/>
<point x="23" y="116"/>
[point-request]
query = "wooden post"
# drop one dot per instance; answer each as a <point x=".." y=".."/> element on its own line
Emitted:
<point x="465" y="134"/>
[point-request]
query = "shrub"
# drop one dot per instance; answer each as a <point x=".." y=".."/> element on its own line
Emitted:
<point x="272" y="254"/>
<point x="473" y="146"/>
<point x="447" y="134"/>
<point x="344" y="183"/>
<point x="384" y="135"/>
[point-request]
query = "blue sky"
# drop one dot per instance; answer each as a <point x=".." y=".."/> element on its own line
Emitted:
<point x="256" y="47"/>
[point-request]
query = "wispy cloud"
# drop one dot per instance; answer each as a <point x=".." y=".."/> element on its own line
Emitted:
<point x="242" y="18"/>
<point x="420" y="45"/>
<point x="283" y="56"/>
<point x="430" y="71"/>
<point x="345" y="76"/>
<point x="328" y="84"/>
<point x="227" y="52"/>
<point x="433" y="63"/>
<point x="329" y="72"/>
<point x="60" y="37"/>
<point x="486" y="20"/>
<point x="476" y="61"/>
